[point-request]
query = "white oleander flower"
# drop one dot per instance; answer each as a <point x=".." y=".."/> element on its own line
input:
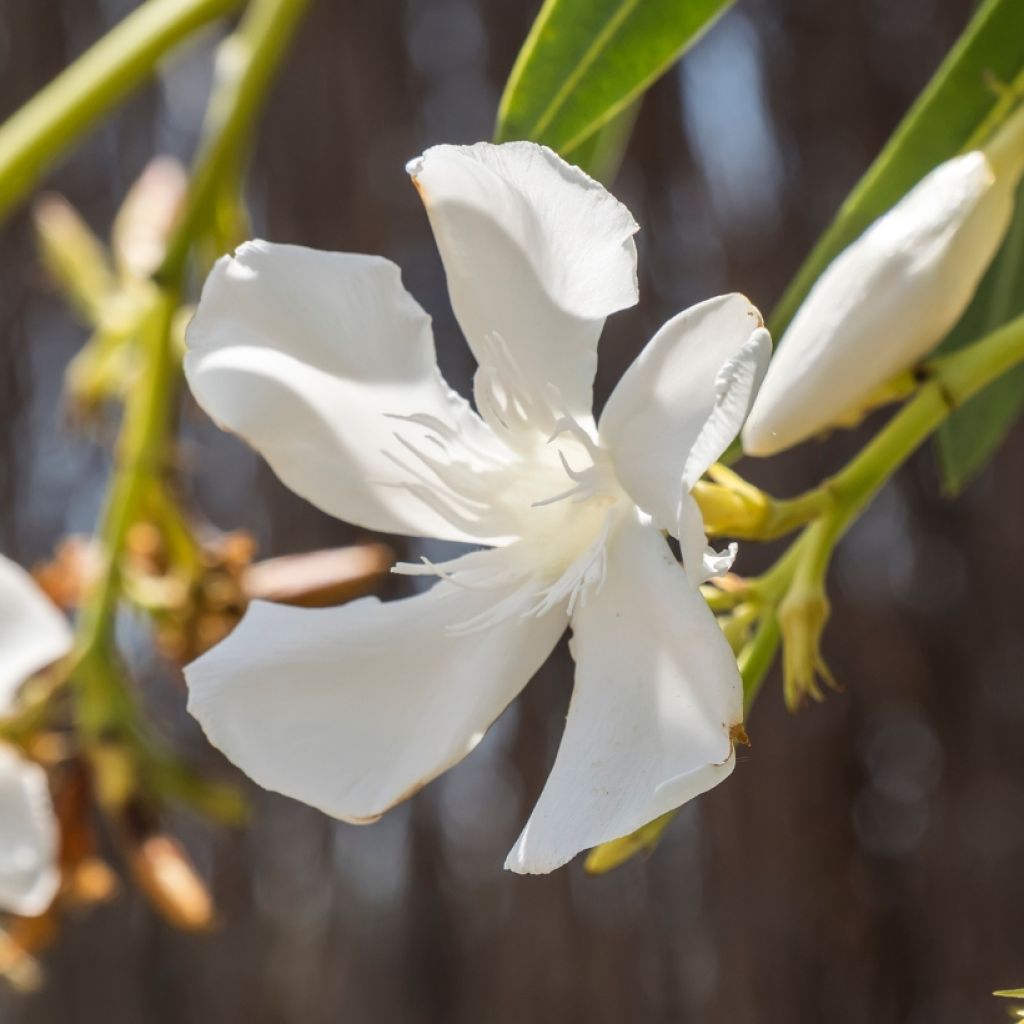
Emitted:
<point x="326" y="365"/>
<point x="33" y="633"/>
<point x="884" y="303"/>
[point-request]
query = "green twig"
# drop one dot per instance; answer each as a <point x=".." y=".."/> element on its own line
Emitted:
<point x="65" y="109"/>
<point x="756" y="659"/>
<point x="246" y="63"/>
<point x="108" y="717"/>
<point x="952" y="380"/>
<point x="139" y="458"/>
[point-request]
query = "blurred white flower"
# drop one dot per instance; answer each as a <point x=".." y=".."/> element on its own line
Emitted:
<point x="326" y="365"/>
<point x="33" y="633"/>
<point x="884" y="303"/>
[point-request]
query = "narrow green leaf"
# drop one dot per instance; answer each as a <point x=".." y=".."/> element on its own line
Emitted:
<point x="601" y="154"/>
<point x="947" y="117"/>
<point x="970" y="437"/>
<point x="585" y="61"/>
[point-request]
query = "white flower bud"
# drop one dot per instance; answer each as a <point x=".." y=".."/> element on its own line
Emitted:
<point x="886" y="301"/>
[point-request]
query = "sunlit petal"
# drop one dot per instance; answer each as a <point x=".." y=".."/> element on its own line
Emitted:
<point x="353" y="709"/>
<point x="537" y="254"/>
<point x="325" y="364"/>
<point x="680" y="404"/>
<point x="656" y="697"/>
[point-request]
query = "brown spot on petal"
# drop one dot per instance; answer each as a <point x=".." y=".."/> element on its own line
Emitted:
<point x="754" y="311"/>
<point x="738" y="735"/>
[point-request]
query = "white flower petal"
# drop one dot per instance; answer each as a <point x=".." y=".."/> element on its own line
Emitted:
<point x="353" y="709"/>
<point x="313" y="358"/>
<point x="680" y="404"/>
<point x="700" y="560"/>
<point x="29" y="877"/>
<point x="884" y="303"/>
<point x="536" y="253"/>
<point x="657" y="694"/>
<point x="718" y="563"/>
<point x="33" y="633"/>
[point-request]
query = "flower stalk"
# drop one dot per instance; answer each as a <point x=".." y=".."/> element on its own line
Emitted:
<point x="105" y="710"/>
<point x="731" y="506"/>
<point x="246" y="63"/>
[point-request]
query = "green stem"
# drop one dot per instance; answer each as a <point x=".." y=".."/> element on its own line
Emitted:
<point x="138" y="459"/>
<point x="770" y="588"/>
<point x="60" y="113"/>
<point x="246" y="62"/>
<point x="723" y="600"/>
<point x="953" y="380"/>
<point x="756" y="658"/>
<point x="103" y="702"/>
<point x="787" y="514"/>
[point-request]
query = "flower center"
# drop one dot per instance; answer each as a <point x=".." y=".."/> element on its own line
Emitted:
<point x="552" y="485"/>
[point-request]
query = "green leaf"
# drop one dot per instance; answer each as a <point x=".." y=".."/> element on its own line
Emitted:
<point x="585" y="61"/>
<point x="950" y="115"/>
<point x="601" y="154"/>
<point x="970" y="437"/>
<point x="1010" y="993"/>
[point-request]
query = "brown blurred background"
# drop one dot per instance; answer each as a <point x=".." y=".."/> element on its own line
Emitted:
<point x="866" y="861"/>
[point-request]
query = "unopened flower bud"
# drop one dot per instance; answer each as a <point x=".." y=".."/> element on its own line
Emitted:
<point x="888" y="299"/>
<point x="802" y="618"/>
<point x="729" y="505"/>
